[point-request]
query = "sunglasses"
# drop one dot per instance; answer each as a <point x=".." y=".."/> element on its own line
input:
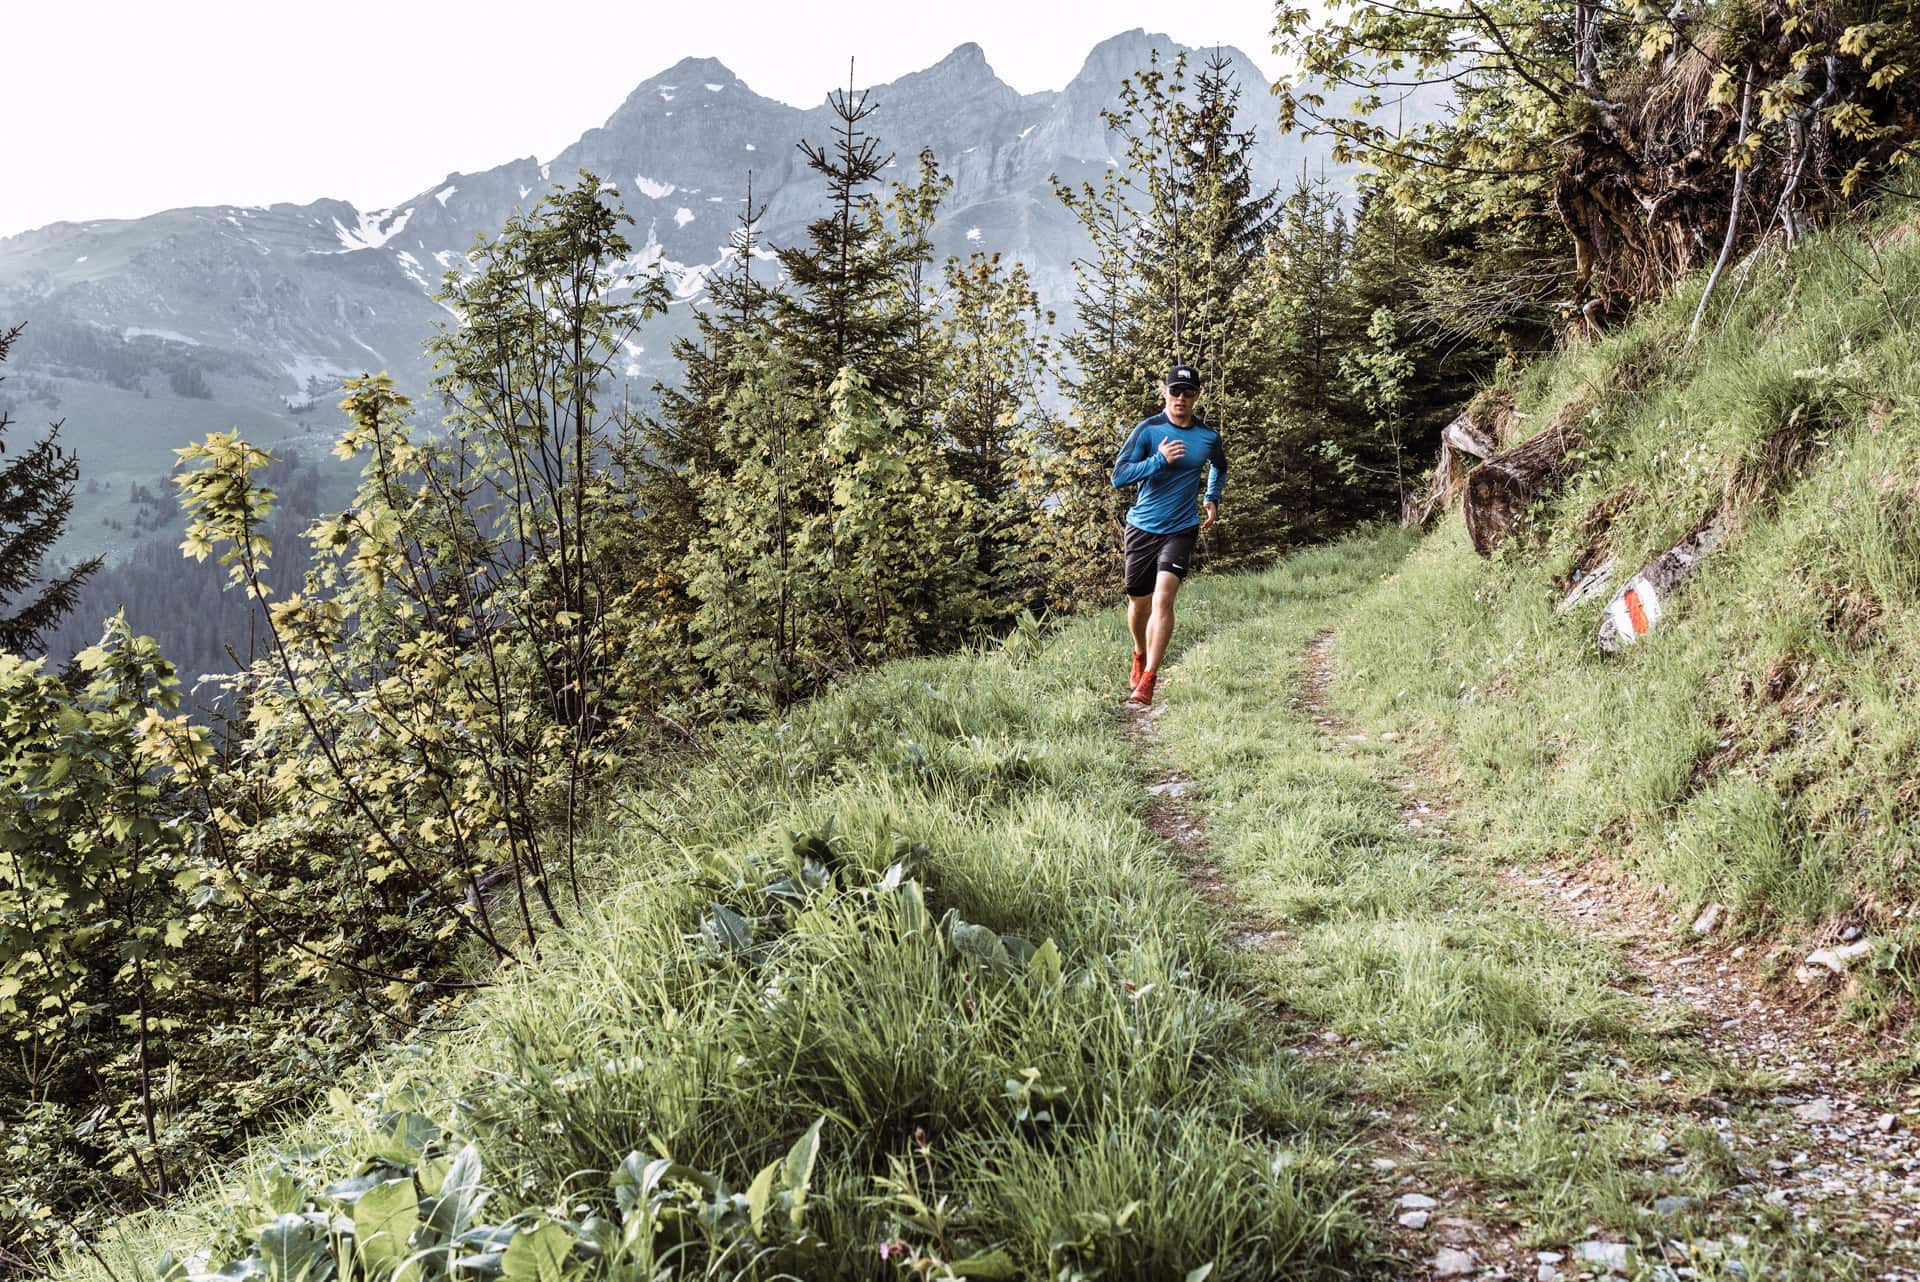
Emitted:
<point x="1183" y="391"/>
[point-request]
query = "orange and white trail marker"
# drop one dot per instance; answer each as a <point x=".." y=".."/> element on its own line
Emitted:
<point x="1639" y="606"/>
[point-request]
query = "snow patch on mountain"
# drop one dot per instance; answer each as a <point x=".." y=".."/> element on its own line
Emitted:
<point x="376" y="228"/>
<point x="171" y="336"/>
<point x="685" y="281"/>
<point x="688" y="282"/>
<point x="637" y="266"/>
<point x="444" y="193"/>
<point x="682" y="216"/>
<point x="715" y="88"/>
<point x="415" y="273"/>
<point x="651" y="188"/>
<point x="304" y="367"/>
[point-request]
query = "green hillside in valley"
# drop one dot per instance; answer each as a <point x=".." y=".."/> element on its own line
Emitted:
<point x="964" y="970"/>
<point x="1757" y="749"/>
<point x="708" y="834"/>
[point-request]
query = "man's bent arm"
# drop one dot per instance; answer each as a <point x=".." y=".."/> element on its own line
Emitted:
<point x="1217" y="482"/>
<point x="1138" y="460"/>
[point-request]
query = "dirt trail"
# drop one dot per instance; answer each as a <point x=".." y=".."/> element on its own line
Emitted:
<point x="1830" y="1148"/>
<point x="1411" y="1184"/>
<point x="1407" y="1195"/>
<point x="1173" y="819"/>
<point x="1828" y="1143"/>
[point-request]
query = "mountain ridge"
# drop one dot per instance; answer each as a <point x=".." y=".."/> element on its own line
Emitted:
<point x="260" y="311"/>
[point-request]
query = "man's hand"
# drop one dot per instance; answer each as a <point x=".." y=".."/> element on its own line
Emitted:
<point x="1213" y="514"/>
<point x="1173" y="451"/>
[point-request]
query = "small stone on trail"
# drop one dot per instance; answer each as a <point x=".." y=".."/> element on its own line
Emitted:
<point x="1383" y="1164"/>
<point x="1548" y="1257"/>
<point x="1612" y="1255"/>
<point x="1850" y="934"/>
<point x="1391" y="736"/>
<point x="1172" y="788"/>
<point x="1674" y="1204"/>
<point x="1416" y="1202"/>
<point x="1415" y="1219"/>
<point x="1546" y="1273"/>
<point x="1449" y="1263"/>
<point x="1708" y="919"/>
<point x="1820" y="1110"/>
<point x="1839" y="960"/>
<point x="1888" y="1123"/>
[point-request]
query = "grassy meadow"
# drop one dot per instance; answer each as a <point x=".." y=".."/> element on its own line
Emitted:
<point x="1759" y="748"/>
<point x="905" y="985"/>
<point x="924" y="915"/>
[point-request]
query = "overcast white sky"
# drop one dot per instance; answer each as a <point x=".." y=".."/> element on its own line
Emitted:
<point x="117" y="108"/>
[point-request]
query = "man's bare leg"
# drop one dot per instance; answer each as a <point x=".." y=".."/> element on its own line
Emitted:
<point x="1139" y="608"/>
<point x="1160" y="624"/>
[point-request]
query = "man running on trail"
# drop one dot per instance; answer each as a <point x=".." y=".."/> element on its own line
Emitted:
<point x="1163" y="457"/>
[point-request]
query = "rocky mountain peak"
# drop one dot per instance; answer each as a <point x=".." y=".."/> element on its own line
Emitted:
<point x="271" y="308"/>
<point x="956" y="95"/>
<point x="691" y="83"/>
<point x="966" y="59"/>
<point x="1121" y="55"/>
<point x="702" y="70"/>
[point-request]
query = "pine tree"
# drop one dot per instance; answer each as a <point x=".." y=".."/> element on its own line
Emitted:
<point x="833" y="533"/>
<point x="996" y="354"/>
<point x="36" y="497"/>
<point x="1221" y="233"/>
<point x="662" y="460"/>
<point x="682" y="430"/>
<point x="1069" y="459"/>
<point x="909" y="227"/>
<point x="1156" y="120"/>
<point x="841" y="306"/>
<point x="1294" y="471"/>
<point x="1448" y="328"/>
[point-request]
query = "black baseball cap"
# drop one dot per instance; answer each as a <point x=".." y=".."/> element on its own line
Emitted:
<point x="1183" y="375"/>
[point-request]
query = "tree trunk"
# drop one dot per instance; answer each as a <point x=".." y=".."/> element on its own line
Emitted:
<point x="1466" y="438"/>
<point x="1461" y="442"/>
<point x="1500" y="490"/>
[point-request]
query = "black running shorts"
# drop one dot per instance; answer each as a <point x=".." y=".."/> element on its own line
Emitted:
<point x="1148" y="554"/>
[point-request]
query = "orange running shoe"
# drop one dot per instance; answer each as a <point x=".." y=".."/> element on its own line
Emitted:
<point x="1139" y="666"/>
<point x="1142" y="690"/>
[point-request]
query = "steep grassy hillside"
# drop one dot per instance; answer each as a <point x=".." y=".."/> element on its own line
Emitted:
<point x="917" y="949"/>
<point x="1759" y="748"/>
<point x="923" y="983"/>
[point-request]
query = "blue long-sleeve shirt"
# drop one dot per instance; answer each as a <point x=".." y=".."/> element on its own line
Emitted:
<point x="1165" y="502"/>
